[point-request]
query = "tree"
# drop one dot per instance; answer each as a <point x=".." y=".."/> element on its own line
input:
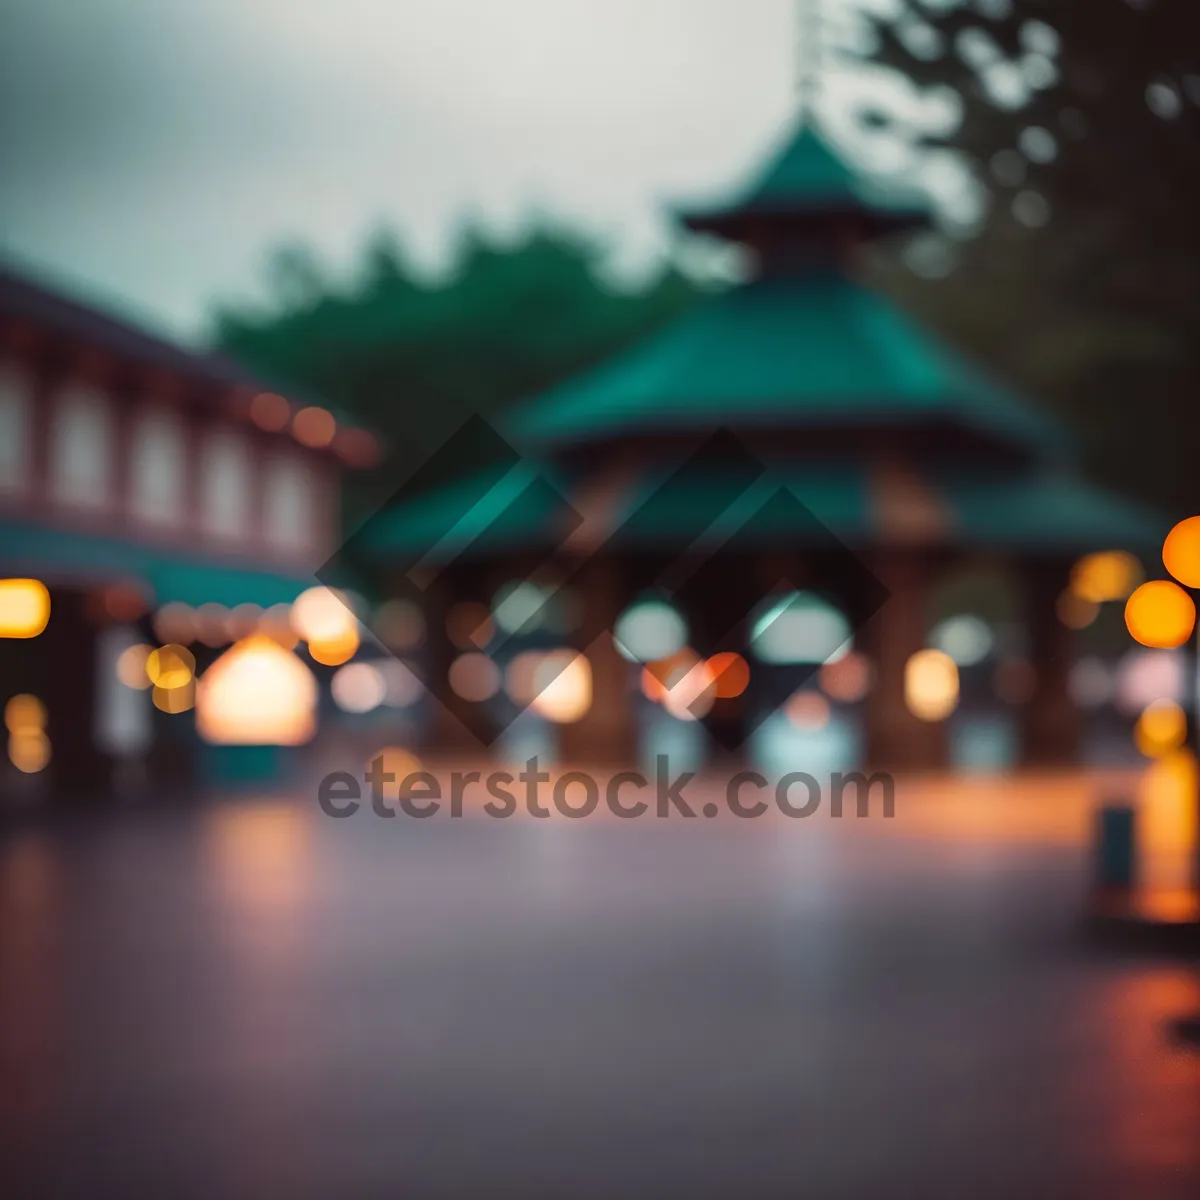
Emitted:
<point x="414" y="358"/>
<point x="1083" y="281"/>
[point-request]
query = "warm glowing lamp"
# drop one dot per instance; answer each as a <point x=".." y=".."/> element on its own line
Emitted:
<point x="1161" y="728"/>
<point x="931" y="685"/>
<point x="1107" y="575"/>
<point x="333" y="651"/>
<point x="1160" y="614"/>
<point x="321" y="615"/>
<point x="24" y="608"/>
<point x="1181" y="552"/>
<point x="170" y="667"/>
<point x="563" y="687"/>
<point x="730" y="673"/>
<point x="257" y="694"/>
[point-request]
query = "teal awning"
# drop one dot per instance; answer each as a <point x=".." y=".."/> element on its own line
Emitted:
<point x="1023" y="512"/>
<point x="487" y="513"/>
<point x="59" y="556"/>
<point x="1045" y="512"/>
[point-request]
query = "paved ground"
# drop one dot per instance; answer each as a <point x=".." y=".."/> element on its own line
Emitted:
<point x="249" y="999"/>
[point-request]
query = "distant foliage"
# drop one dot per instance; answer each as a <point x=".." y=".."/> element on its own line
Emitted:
<point x="1082" y="121"/>
<point x="413" y="357"/>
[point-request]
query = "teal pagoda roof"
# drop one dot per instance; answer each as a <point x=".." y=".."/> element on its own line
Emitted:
<point x="1045" y="510"/>
<point x="805" y="178"/>
<point x="850" y="400"/>
<point x="794" y="351"/>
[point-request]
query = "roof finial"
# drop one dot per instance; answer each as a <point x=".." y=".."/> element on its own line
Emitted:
<point x="809" y="56"/>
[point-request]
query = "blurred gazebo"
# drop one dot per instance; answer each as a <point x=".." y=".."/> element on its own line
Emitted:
<point x="900" y="459"/>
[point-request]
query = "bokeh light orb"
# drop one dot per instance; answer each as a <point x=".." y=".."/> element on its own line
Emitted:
<point x="649" y="631"/>
<point x="212" y="625"/>
<point x="1104" y="576"/>
<point x="29" y="751"/>
<point x="520" y="677"/>
<point x="24" y="608"/>
<point x="931" y="685"/>
<point x="358" y="687"/>
<point x="692" y="694"/>
<point x="276" y="623"/>
<point x="807" y="710"/>
<point x="474" y="677"/>
<point x="848" y="680"/>
<point x="322" y="615"/>
<point x="659" y="677"/>
<point x="24" y="713"/>
<point x="175" y="622"/>
<point x="520" y="607"/>
<point x="1075" y="611"/>
<point x="270" y="412"/>
<point x="1181" y="552"/>
<point x="1143" y="676"/>
<point x="1161" y="728"/>
<point x="799" y="627"/>
<point x="1160" y="614"/>
<point x="314" y="427"/>
<point x="171" y="666"/>
<point x="966" y="638"/>
<point x="563" y="687"/>
<point x="131" y="666"/>
<point x="175" y="699"/>
<point x="335" y="650"/>
<point x="243" y="620"/>
<point x="399" y="625"/>
<point x="257" y="694"/>
<point x="730" y="674"/>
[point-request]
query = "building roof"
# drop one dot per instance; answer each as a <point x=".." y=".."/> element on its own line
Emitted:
<point x="1044" y="510"/>
<point x="799" y="351"/>
<point x="805" y="176"/>
<point x="49" y="309"/>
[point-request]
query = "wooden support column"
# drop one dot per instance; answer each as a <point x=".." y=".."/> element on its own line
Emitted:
<point x="895" y="739"/>
<point x="1050" y="725"/>
<point x="454" y="726"/>
<point x="607" y="734"/>
<point x="81" y="771"/>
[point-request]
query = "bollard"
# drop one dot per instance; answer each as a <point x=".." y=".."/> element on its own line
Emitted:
<point x="1116" y="848"/>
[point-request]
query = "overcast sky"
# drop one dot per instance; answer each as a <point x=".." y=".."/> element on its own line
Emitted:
<point x="152" y="152"/>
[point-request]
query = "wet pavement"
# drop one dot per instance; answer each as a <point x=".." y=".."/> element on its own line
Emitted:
<point x="250" y="999"/>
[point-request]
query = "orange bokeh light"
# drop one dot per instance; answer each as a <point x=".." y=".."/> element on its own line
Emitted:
<point x="336" y="649"/>
<point x="357" y="447"/>
<point x="658" y="678"/>
<point x="314" y="427"/>
<point x="1160" y="614"/>
<point x="270" y="412"/>
<point x="1181" y="552"/>
<point x="730" y="673"/>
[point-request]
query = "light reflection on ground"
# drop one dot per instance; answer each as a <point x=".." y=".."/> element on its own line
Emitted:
<point x="248" y="999"/>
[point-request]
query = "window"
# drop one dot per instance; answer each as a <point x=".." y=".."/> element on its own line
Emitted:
<point x="288" y="502"/>
<point x="16" y="434"/>
<point x="225" y="484"/>
<point x="81" y="448"/>
<point x="157" y="466"/>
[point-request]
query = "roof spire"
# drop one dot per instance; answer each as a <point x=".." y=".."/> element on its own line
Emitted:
<point x="809" y="60"/>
